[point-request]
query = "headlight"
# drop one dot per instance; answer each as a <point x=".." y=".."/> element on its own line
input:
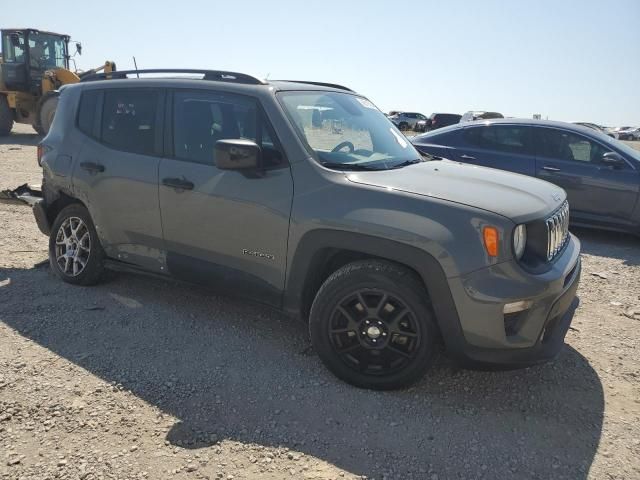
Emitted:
<point x="519" y="240"/>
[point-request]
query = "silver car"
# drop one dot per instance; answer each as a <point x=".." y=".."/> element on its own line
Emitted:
<point x="407" y="120"/>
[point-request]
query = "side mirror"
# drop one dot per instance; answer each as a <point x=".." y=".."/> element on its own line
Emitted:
<point x="237" y="154"/>
<point x="78" y="48"/>
<point x="613" y="160"/>
<point x="15" y="39"/>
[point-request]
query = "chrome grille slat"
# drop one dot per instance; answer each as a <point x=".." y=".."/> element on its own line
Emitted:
<point x="557" y="230"/>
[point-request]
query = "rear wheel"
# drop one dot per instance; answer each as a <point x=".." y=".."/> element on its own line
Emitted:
<point x="6" y="116"/>
<point x="75" y="253"/>
<point x="372" y="326"/>
<point x="46" y="112"/>
<point x="403" y="126"/>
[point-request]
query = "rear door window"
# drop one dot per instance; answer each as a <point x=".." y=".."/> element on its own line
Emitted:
<point x="129" y="120"/>
<point x="504" y="138"/>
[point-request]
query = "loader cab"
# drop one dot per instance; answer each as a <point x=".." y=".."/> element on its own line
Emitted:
<point x="27" y="54"/>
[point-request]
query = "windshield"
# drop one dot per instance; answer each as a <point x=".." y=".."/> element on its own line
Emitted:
<point x="46" y="51"/>
<point x="347" y="132"/>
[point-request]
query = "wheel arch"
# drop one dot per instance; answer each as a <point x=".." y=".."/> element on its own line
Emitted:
<point x="321" y="252"/>
<point x="55" y="206"/>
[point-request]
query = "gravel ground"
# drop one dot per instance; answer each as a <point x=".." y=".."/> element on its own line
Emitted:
<point x="143" y="379"/>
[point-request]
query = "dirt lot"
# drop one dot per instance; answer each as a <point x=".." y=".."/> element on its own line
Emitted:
<point x="144" y="379"/>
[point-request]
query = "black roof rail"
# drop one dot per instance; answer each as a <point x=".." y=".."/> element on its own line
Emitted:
<point x="319" y="84"/>
<point x="216" y="75"/>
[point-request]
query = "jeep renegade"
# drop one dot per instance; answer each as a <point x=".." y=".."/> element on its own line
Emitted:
<point x="305" y="197"/>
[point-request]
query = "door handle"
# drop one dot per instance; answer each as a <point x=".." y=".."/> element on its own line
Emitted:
<point x="551" y="169"/>
<point x="178" y="183"/>
<point x="467" y="157"/>
<point x="92" y="167"/>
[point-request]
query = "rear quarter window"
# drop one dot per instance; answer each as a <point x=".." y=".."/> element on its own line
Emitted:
<point x="87" y="112"/>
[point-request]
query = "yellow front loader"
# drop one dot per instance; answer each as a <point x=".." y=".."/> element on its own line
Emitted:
<point x="33" y="66"/>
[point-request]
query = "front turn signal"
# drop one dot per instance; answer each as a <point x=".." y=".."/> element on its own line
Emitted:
<point x="491" y="242"/>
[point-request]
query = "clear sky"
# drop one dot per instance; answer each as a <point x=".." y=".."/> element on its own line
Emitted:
<point x="565" y="59"/>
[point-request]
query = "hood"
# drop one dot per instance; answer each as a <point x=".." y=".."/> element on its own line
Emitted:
<point x="517" y="197"/>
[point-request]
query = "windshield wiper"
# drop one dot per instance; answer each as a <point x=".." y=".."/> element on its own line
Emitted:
<point x="430" y="156"/>
<point x="407" y="163"/>
<point x="350" y="166"/>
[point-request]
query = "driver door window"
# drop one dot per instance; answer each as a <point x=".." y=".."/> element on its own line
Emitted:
<point x="201" y="119"/>
<point x="563" y="145"/>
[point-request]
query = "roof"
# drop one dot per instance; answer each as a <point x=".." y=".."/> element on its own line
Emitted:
<point x="36" y="30"/>
<point x="515" y="121"/>
<point x="202" y="78"/>
<point x="527" y="121"/>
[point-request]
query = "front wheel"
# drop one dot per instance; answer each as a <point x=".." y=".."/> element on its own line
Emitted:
<point x="371" y="325"/>
<point x="75" y="253"/>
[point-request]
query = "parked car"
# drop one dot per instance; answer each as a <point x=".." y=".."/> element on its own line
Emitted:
<point x="421" y="126"/>
<point x="440" y="120"/>
<point x="407" y="120"/>
<point x="225" y="181"/>
<point x="629" y="133"/>
<point x="600" y="175"/>
<point x="624" y="133"/>
<point x="598" y="128"/>
<point x="471" y="116"/>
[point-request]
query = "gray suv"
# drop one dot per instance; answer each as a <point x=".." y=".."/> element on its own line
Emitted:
<point x="305" y="197"/>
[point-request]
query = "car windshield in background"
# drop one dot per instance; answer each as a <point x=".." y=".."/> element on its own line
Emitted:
<point x="347" y="132"/>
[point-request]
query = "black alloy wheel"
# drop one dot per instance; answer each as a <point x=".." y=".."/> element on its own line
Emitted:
<point x="374" y="332"/>
<point x="372" y="325"/>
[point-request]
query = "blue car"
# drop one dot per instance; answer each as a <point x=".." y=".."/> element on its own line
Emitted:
<point x="601" y="175"/>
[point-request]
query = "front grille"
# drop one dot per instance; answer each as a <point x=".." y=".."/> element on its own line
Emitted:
<point x="557" y="230"/>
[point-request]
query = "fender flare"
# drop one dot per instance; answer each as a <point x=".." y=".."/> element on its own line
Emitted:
<point x="314" y="247"/>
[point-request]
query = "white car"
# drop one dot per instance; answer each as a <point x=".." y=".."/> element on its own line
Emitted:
<point x="598" y="128"/>
<point x="626" y="133"/>
<point x="632" y="133"/>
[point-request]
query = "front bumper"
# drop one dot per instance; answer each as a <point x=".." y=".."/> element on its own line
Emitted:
<point x="486" y="336"/>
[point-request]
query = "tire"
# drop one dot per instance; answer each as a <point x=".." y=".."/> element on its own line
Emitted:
<point x="387" y="343"/>
<point x="69" y="250"/>
<point x="403" y="126"/>
<point x="6" y="117"/>
<point x="46" y="111"/>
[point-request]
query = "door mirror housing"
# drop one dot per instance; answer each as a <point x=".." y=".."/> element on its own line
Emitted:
<point x="238" y="154"/>
<point x="78" y="48"/>
<point x="613" y="159"/>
